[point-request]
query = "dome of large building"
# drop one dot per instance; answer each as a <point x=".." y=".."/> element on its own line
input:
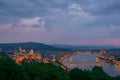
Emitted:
<point x="31" y="51"/>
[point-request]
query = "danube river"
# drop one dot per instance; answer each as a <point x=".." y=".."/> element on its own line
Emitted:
<point x="86" y="61"/>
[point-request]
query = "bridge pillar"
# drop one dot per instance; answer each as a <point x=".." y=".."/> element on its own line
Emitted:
<point x="70" y="60"/>
<point x="97" y="60"/>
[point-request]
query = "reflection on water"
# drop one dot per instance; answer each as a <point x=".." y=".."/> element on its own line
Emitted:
<point x="87" y="61"/>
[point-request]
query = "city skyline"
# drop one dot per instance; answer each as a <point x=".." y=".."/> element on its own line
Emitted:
<point x="76" y="22"/>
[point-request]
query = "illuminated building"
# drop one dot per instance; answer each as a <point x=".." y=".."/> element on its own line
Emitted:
<point x="31" y="52"/>
<point x="97" y="60"/>
<point x="20" y="49"/>
<point x="22" y="55"/>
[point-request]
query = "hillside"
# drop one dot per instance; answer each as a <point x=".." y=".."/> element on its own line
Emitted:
<point x="30" y="45"/>
<point x="86" y="46"/>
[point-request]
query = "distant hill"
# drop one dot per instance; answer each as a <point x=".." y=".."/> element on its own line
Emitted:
<point x="30" y="45"/>
<point x="56" y="47"/>
<point x="85" y="46"/>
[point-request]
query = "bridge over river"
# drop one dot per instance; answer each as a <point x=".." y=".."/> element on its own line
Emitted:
<point x="88" y="61"/>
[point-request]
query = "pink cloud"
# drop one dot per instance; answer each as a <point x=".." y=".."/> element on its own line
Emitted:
<point x="115" y="41"/>
<point x="111" y="41"/>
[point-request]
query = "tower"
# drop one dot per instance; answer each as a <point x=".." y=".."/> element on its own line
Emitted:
<point x="97" y="60"/>
<point x="70" y="60"/>
<point x="20" y="49"/>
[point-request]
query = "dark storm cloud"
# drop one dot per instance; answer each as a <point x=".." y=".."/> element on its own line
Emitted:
<point x="10" y="10"/>
<point x="105" y="7"/>
<point x="31" y="8"/>
<point x="105" y="11"/>
<point x="21" y="8"/>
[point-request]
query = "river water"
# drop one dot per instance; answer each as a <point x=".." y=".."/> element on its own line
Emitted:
<point x="86" y="61"/>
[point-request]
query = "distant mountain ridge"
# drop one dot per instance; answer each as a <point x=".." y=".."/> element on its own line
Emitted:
<point x="55" y="47"/>
<point x="28" y="46"/>
<point x="85" y="46"/>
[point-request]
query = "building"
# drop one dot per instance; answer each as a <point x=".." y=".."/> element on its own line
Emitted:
<point x="30" y="56"/>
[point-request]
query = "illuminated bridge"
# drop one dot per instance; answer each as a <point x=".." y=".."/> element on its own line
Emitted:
<point x="83" y="61"/>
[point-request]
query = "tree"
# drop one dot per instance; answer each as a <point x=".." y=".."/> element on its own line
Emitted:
<point x="9" y="70"/>
<point x="97" y="73"/>
<point x="41" y="71"/>
<point x="78" y="74"/>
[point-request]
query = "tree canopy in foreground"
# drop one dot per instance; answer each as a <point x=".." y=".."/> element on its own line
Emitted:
<point x="9" y="70"/>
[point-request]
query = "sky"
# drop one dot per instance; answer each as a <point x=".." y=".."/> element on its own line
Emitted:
<point x="76" y="22"/>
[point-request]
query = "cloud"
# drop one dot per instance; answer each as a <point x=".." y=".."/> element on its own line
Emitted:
<point x="30" y="22"/>
<point x="76" y="9"/>
<point x="104" y="7"/>
<point x="65" y="21"/>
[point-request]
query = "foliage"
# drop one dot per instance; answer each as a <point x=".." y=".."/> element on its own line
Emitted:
<point x="97" y="73"/>
<point x="9" y="70"/>
<point x="77" y="74"/>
